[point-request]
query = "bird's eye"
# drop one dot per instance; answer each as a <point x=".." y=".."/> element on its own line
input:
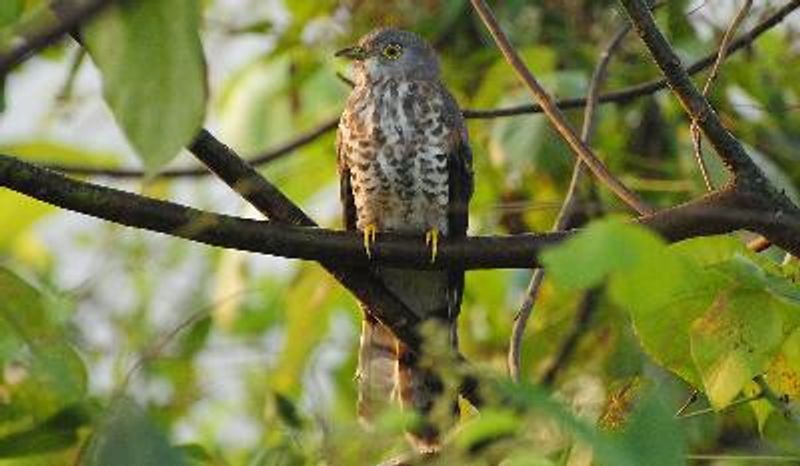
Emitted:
<point x="393" y="51"/>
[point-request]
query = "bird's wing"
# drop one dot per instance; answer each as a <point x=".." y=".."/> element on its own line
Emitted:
<point x="345" y="189"/>
<point x="460" y="186"/>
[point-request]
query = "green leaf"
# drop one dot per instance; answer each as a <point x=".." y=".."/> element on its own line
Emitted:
<point x="18" y="213"/>
<point x="489" y="426"/>
<point x="128" y="436"/>
<point x="527" y="459"/>
<point x="57" y="153"/>
<point x="677" y="23"/>
<point x="311" y="299"/>
<point x="734" y="341"/>
<point x="55" y="433"/>
<point x="783" y="377"/>
<point x="287" y="411"/>
<point x="607" y="449"/>
<point x="604" y="247"/>
<point x="150" y="57"/>
<point x="10" y="11"/>
<point x="653" y="434"/>
<point x="196" y="455"/>
<point x="42" y="372"/>
<point x="658" y="288"/>
<point x="703" y="309"/>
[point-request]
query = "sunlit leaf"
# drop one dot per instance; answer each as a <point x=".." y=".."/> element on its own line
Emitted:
<point x="672" y="293"/>
<point x="783" y="377"/>
<point x="250" y="101"/>
<point x="59" y="153"/>
<point x="612" y="246"/>
<point x="150" y="56"/>
<point x="733" y="342"/>
<point x="17" y="214"/>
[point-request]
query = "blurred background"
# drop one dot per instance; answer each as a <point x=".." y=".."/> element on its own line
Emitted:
<point x="229" y="350"/>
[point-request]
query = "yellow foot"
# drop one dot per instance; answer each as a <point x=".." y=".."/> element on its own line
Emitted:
<point x="432" y="240"/>
<point x="369" y="238"/>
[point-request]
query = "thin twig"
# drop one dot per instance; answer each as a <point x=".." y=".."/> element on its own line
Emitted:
<point x="65" y="93"/>
<point x="693" y="396"/>
<point x="723" y="52"/>
<point x="586" y="309"/>
<point x="570" y="201"/>
<point x="68" y="20"/>
<point x="157" y="348"/>
<point x="555" y="116"/>
<point x="266" y="157"/>
<point x="732" y="404"/>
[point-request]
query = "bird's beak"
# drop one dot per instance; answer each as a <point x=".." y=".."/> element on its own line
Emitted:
<point x="352" y="53"/>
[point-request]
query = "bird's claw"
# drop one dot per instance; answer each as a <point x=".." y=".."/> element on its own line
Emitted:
<point x="370" y="231"/>
<point x="432" y="240"/>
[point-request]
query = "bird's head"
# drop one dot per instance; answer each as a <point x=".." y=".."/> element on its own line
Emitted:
<point x="392" y="54"/>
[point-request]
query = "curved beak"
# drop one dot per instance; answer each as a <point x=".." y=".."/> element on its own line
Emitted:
<point x="352" y="53"/>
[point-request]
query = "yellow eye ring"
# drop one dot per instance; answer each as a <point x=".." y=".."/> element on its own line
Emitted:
<point x="392" y="51"/>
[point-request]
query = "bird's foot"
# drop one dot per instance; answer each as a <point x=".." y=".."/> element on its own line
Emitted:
<point x="432" y="240"/>
<point x="369" y="238"/>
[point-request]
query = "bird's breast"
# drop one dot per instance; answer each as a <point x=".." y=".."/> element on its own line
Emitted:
<point x="396" y="139"/>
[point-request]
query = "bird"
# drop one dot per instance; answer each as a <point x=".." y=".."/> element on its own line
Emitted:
<point x="405" y="166"/>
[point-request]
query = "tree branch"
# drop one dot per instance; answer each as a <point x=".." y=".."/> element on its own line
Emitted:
<point x="716" y="213"/>
<point x="69" y="19"/>
<point x="361" y="282"/>
<point x="586" y="309"/>
<point x="270" y="155"/>
<point x="697" y="141"/>
<point x="565" y="216"/>
<point x="557" y="119"/>
<point x="631" y="93"/>
<point x="271" y="202"/>
<point x="754" y="190"/>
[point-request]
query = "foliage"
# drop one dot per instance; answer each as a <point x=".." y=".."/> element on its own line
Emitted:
<point x="121" y="347"/>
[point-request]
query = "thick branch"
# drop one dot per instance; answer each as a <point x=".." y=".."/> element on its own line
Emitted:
<point x="717" y="213"/>
<point x="271" y="202"/>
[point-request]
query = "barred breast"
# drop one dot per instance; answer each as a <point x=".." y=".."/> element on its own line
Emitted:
<point x="394" y="136"/>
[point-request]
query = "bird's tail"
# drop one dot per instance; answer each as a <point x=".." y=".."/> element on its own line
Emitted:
<point x="418" y="388"/>
<point x="377" y="366"/>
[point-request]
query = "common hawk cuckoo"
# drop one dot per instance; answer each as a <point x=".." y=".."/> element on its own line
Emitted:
<point x="405" y="167"/>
